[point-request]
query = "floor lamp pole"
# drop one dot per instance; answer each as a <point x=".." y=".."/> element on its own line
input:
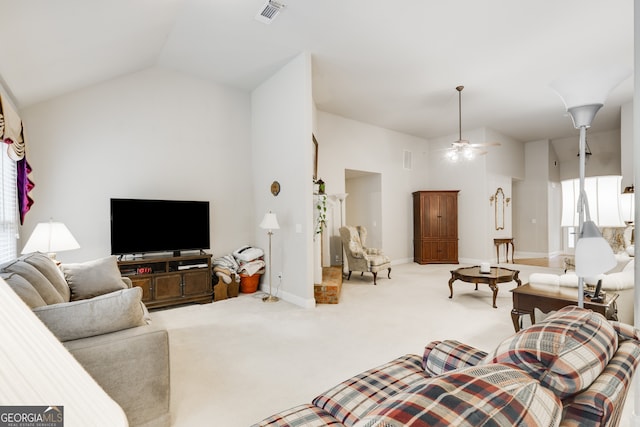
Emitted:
<point x="270" y="223"/>
<point x="270" y="297"/>
<point x="581" y="202"/>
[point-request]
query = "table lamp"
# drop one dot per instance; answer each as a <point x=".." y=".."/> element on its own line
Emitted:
<point x="50" y="237"/>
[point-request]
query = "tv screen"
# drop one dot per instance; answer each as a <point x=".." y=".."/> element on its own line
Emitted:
<point x="142" y="226"/>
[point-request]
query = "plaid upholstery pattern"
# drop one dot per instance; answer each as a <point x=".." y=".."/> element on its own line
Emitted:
<point x="444" y="356"/>
<point x="602" y="403"/>
<point x="355" y="397"/>
<point x="299" y="416"/>
<point x="566" y="352"/>
<point x="625" y="331"/>
<point x="487" y="395"/>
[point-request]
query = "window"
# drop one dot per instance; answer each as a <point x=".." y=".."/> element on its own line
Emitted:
<point x="8" y="206"/>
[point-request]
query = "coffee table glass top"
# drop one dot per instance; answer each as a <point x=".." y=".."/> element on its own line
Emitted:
<point x="499" y="273"/>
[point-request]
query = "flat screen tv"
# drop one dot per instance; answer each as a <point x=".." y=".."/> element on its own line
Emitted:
<point x="140" y="226"/>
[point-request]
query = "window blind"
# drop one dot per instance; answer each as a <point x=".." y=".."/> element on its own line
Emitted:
<point x="8" y="206"/>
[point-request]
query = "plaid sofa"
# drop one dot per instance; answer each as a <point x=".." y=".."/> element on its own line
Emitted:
<point x="572" y="369"/>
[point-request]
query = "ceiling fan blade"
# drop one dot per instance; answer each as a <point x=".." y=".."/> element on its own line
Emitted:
<point x="460" y="143"/>
<point x="486" y="144"/>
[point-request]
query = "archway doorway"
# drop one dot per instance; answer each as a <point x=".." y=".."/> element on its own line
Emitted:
<point x="364" y="204"/>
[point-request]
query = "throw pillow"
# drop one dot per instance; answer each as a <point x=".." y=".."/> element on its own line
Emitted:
<point x="488" y="395"/>
<point x="40" y="283"/>
<point x="566" y="352"/>
<point x="50" y="270"/>
<point x="92" y="278"/>
<point x="443" y="356"/>
<point x="23" y="288"/>
<point x="100" y="315"/>
<point x="352" y="399"/>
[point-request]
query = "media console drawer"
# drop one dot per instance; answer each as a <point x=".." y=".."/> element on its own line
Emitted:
<point x="167" y="281"/>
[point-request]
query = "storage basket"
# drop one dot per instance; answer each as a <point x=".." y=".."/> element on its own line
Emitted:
<point x="233" y="288"/>
<point x="249" y="284"/>
<point x="220" y="291"/>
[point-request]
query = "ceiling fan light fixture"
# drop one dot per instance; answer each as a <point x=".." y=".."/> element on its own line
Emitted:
<point x="463" y="148"/>
<point x="452" y="155"/>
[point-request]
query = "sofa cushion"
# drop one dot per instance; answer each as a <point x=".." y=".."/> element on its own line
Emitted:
<point x="51" y="271"/>
<point x="486" y="395"/>
<point x="24" y="289"/>
<point x="111" y="312"/>
<point x="444" y="356"/>
<point x="40" y="283"/>
<point x="603" y="400"/>
<point x="352" y="399"/>
<point x="92" y="278"/>
<point x="566" y="352"/>
<point x="300" y="416"/>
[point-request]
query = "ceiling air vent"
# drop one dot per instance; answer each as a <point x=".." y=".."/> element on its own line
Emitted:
<point x="269" y="11"/>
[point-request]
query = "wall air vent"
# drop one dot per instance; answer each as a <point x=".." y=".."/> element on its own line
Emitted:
<point x="269" y="11"/>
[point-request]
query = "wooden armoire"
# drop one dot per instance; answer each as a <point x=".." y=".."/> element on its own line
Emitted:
<point x="435" y="227"/>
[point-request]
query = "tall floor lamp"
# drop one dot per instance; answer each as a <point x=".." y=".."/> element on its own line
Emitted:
<point x="583" y="95"/>
<point x="270" y="223"/>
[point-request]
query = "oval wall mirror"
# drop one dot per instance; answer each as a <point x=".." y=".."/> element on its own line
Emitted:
<point x="499" y="204"/>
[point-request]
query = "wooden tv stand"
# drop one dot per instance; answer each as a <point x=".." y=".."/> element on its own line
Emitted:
<point x="169" y="280"/>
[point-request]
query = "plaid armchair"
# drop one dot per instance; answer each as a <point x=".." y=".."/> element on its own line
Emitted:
<point x="361" y="258"/>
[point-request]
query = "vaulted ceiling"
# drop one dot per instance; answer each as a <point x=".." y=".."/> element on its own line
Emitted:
<point x="391" y="64"/>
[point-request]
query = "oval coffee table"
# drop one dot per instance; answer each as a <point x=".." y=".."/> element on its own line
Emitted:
<point x="496" y="275"/>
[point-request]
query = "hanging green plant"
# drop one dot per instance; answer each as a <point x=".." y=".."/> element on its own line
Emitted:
<point x="321" y="206"/>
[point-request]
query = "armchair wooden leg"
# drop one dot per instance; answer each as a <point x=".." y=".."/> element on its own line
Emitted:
<point x="375" y="274"/>
<point x="389" y="273"/>
<point x="349" y="275"/>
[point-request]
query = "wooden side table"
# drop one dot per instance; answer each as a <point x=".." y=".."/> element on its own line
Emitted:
<point x="528" y="297"/>
<point x="506" y="241"/>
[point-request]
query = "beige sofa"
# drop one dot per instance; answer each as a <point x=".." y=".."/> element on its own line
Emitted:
<point x="101" y="320"/>
<point x="620" y="282"/>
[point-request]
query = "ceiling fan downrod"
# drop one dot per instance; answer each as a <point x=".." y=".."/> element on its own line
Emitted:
<point x="459" y="89"/>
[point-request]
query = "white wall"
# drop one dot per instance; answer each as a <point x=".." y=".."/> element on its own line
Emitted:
<point x="604" y="161"/>
<point x="282" y="120"/>
<point x="348" y="144"/>
<point x="532" y="202"/>
<point x="626" y="144"/>
<point x="151" y="134"/>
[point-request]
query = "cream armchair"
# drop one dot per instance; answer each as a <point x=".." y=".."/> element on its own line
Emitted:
<point x="361" y="258"/>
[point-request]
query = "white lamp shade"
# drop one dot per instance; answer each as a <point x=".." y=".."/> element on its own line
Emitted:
<point x="589" y="87"/>
<point x="269" y="222"/>
<point x="341" y="196"/>
<point x="49" y="237"/>
<point x="627" y="206"/>
<point x="593" y="253"/>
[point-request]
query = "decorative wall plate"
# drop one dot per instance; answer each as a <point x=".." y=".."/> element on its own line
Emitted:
<point x="275" y="188"/>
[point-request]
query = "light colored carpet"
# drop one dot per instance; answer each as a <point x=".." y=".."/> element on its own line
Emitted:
<point x="237" y="361"/>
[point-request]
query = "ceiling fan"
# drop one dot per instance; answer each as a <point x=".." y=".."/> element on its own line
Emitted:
<point x="462" y="147"/>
